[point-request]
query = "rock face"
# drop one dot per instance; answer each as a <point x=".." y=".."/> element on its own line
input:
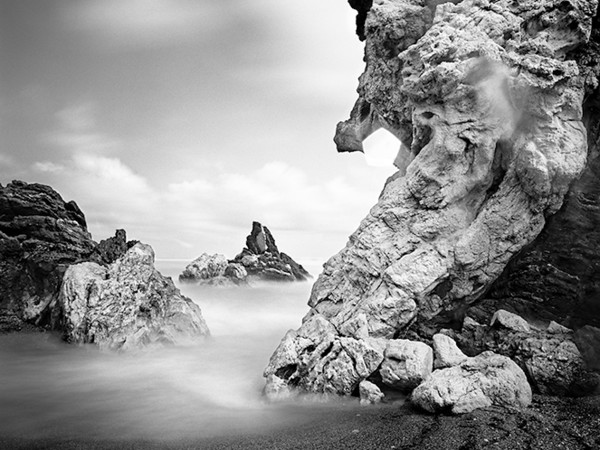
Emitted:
<point x="125" y="306"/>
<point x="485" y="380"/>
<point x="40" y="235"/>
<point x="487" y="99"/>
<point x="259" y="260"/>
<point x="53" y="275"/>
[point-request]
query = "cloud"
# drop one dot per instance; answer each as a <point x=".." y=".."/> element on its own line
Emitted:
<point x="142" y="23"/>
<point x="48" y="167"/>
<point x="6" y="161"/>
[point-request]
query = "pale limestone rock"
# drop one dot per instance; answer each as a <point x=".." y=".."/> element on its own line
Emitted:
<point x="406" y="364"/>
<point x="485" y="103"/>
<point x="204" y="268"/>
<point x="321" y="361"/>
<point x="447" y="353"/>
<point x="126" y="306"/>
<point x="557" y="328"/>
<point x="485" y="380"/>
<point x="511" y="321"/>
<point x="369" y="393"/>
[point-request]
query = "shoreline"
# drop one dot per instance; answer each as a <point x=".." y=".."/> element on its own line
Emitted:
<point x="550" y="422"/>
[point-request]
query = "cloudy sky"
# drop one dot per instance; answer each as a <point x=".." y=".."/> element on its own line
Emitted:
<point x="184" y="120"/>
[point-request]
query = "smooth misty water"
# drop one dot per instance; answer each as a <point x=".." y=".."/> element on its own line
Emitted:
<point x="49" y="388"/>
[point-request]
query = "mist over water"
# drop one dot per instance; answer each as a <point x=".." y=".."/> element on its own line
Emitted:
<point x="51" y="389"/>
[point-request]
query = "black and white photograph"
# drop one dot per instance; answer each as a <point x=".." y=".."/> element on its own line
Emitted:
<point x="299" y="224"/>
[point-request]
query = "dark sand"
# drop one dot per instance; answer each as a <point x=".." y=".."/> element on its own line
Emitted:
<point x="550" y="423"/>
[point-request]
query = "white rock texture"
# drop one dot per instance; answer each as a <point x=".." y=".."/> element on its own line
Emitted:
<point x="489" y="111"/>
<point x="126" y="306"/>
<point x="205" y="267"/>
<point x="406" y="364"/>
<point x="511" y="321"/>
<point x="369" y="393"/>
<point x="447" y="353"/>
<point x="485" y="380"/>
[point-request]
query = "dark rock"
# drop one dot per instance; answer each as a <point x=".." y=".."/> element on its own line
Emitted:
<point x="362" y="7"/>
<point x="113" y="248"/>
<point x="54" y="276"/>
<point x="588" y="341"/>
<point x="40" y="235"/>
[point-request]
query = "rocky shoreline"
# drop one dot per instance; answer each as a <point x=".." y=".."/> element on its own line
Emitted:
<point x="53" y="276"/>
<point x="485" y="236"/>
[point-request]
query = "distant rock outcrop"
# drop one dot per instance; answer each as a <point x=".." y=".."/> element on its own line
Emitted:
<point x="54" y="276"/>
<point x="259" y="260"/>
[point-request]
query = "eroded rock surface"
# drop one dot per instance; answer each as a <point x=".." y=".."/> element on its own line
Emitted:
<point x="40" y="235"/>
<point x="488" y="103"/>
<point x="485" y="380"/>
<point x="127" y="305"/>
<point x="259" y="260"/>
<point x="54" y="276"/>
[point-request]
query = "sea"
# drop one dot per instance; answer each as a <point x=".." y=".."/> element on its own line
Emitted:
<point x="51" y="389"/>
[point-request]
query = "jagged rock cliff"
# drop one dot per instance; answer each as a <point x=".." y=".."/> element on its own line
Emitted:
<point x="260" y="259"/>
<point x="487" y="98"/>
<point x="54" y="276"/>
<point x="40" y="235"/>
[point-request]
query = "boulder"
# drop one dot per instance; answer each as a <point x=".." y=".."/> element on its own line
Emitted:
<point x="550" y="357"/>
<point x="205" y="267"/>
<point x="125" y="306"/>
<point x="587" y="340"/>
<point x="260" y="260"/>
<point x="447" y="353"/>
<point x="485" y="380"/>
<point x="314" y="359"/>
<point x="406" y="364"/>
<point x="109" y="250"/>
<point x="369" y="393"/>
<point x="511" y="321"/>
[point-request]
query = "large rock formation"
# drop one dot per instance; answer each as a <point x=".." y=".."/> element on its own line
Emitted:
<point x="125" y="306"/>
<point x="40" y="235"/>
<point x="54" y="276"/>
<point x="487" y="98"/>
<point x="259" y="260"/>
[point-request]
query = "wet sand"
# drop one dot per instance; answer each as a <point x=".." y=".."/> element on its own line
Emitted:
<point x="550" y="423"/>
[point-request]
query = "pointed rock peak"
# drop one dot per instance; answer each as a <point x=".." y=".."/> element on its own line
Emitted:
<point x="260" y="240"/>
<point x="259" y="260"/>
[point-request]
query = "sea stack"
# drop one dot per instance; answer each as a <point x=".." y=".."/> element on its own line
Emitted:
<point x="53" y="276"/>
<point x="259" y="260"/>
<point x="496" y="106"/>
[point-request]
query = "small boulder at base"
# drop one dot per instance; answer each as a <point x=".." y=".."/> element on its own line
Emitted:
<point x="370" y="394"/>
<point x="127" y="305"/>
<point x="510" y="321"/>
<point x="485" y="380"/>
<point x="406" y="363"/>
<point x="447" y="353"/>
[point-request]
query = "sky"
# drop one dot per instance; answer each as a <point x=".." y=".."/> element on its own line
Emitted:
<point x="182" y="121"/>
